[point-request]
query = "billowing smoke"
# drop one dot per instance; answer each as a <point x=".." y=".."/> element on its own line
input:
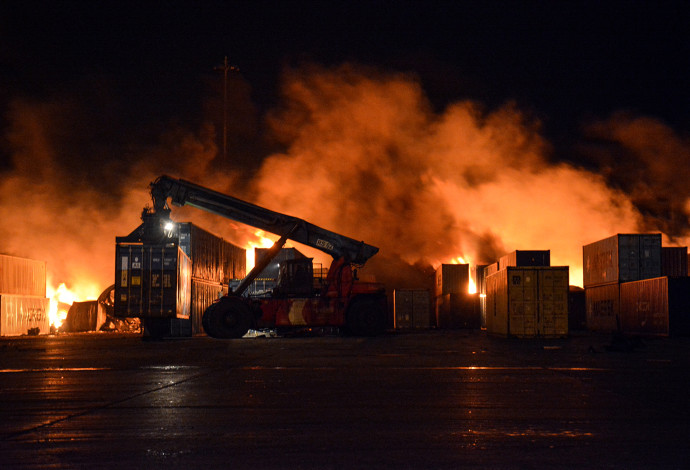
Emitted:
<point x="364" y="154"/>
<point x="368" y="157"/>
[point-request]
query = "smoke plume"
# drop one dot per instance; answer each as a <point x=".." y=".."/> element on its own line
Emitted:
<point x="362" y="153"/>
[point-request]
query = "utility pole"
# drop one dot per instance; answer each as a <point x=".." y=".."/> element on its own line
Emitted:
<point x="225" y="68"/>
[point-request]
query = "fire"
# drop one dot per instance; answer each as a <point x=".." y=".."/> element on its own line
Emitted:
<point x="262" y="242"/>
<point x="460" y="260"/>
<point x="62" y="298"/>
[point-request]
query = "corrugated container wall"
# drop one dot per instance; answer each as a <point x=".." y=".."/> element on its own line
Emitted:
<point x="622" y="258"/>
<point x="526" y="258"/>
<point x="527" y="302"/>
<point x="22" y="276"/>
<point x="674" y="261"/>
<point x="603" y="307"/>
<point x="456" y="311"/>
<point x="203" y="294"/>
<point x="152" y="281"/>
<point x="411" y="308"/>
<point x="21" y="313"/>
<point x="213" y="258"/>
<point x="656" y="307"/>
<point x="452" y="279"/>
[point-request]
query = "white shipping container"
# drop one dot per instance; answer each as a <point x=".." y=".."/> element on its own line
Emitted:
<point x="528" y="302"/>
<point x="22" y="276"/>
<point x="21" y="313"/>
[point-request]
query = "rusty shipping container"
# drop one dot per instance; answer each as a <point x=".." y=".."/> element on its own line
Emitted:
<point x="602" y="305"/>
<point x="452" y="279"/>
<point x="84" y="316"/>
<point x="203" y="294"/>
<point x="622" y="258"/>
<point x="411" y="308"/>
<point x="22" y="276"/>
<point x="458" y="311"/>
<point x="527" y="302"/>
<point x="656" y="307"/>
<point x="674" y="261"/>
<point x="20" y="314"/>
<point x="152" y="281"/>
<point x="526" y="258"/>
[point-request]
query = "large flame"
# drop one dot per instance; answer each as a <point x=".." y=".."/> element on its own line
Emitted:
<point x="261" y="241"/>
<point x="62" y="298"/>
<point x="462" y="260"/>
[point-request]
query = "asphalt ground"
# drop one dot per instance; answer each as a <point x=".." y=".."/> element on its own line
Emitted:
<point x="432" y="399"/>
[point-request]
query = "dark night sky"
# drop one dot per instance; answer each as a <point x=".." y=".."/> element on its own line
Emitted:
<point x="151" y="63"/>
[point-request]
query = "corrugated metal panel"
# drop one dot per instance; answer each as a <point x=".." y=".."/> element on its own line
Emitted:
<point x="213" y="259"/>
<point x="491" y="269"/>
<point x="84" y="316"/>
<point x="456" y="311"/>
<point x="452" y="279"/>
<point x="528" y="301"/>
<point x="674" y="261"/>
<point x="152" y="281"/>
<point x="411" y="308"/>
<point x="656" y="307"/>
<point x="203" y="295"/>
<point x="622" y="258"/>
<point x="603" y="307"/>
<point x="22" y="276"/>
<point x="20" y="313"/>
<point x="526" y="258"/>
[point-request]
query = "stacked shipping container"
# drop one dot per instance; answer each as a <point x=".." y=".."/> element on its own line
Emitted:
<point x="528" y="301"/>
<point x="24" y="307"/>
<point x="610" y="262"/>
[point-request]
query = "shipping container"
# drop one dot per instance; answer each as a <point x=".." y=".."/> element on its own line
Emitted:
<point x="84" y="316"/>
<point x="458" y="311"/>
<point x="411" y="308"/>
<point x="622" y="258"/>
<point x="603" y="307"/>
<point x="527" y="302"/>
<point x="491" y="269"/>
<point x="213" y="258"/>
<point x="24" y="314"/>
<point x="656" y="307"/>
<point x="22" y="276"/>
<point x="271" y="271"/>
<point x="674" y="261"/>
<point x="152" y="281"/>
<point x="452" y="279"/>
<point x="522" y="258"/>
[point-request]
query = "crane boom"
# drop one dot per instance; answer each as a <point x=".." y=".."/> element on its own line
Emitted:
<point x="183" y="192"/>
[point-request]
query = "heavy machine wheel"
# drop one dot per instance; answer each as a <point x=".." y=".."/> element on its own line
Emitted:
<point x="366" y="318"/>
<point x="230" y="317"/>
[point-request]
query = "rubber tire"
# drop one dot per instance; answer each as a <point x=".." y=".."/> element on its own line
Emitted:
<point x="228" y="318"/>
<point x="366" y="318"/>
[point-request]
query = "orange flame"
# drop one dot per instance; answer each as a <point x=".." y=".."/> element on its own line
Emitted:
<point x="262" y="242"/>
<point x="62" y="298"/>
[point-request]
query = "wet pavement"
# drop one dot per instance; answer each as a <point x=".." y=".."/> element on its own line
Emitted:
<point x="433" y="399"/>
